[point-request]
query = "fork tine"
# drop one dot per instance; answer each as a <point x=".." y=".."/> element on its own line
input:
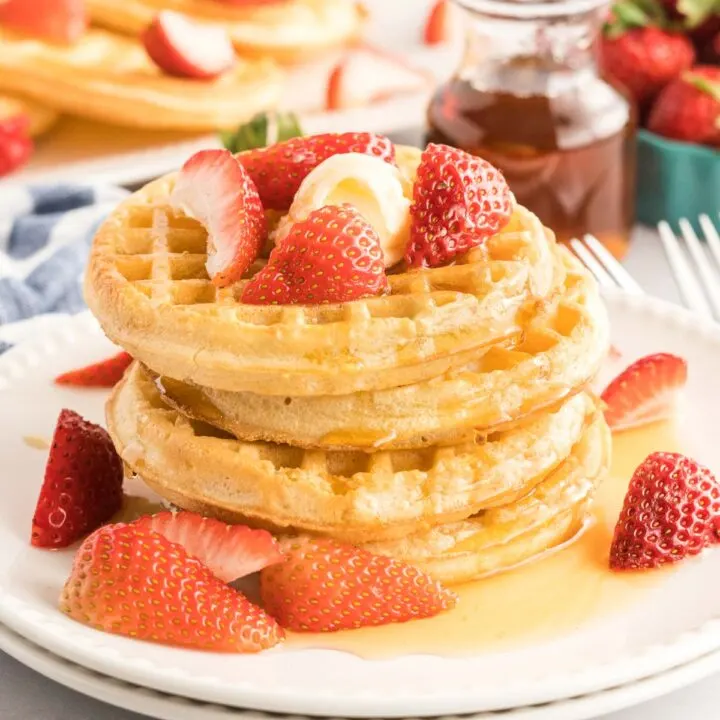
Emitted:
<point x="708" y="276"/>
<point x="712" y="237"/>
<point x="684" y="278"/>
<point x="621" y="276"/>
<point x="591" y="263"/>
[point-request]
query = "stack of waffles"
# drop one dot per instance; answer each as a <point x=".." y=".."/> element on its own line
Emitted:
<point x="447" y="423"/>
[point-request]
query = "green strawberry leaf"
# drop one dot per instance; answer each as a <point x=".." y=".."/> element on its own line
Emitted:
<point x="697" y="11"/>
<point x="263" y="130"/>
<point x="703" y="84"/>
<point x="628" y="14"/>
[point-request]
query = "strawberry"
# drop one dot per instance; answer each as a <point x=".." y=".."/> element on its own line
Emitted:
<point x="137" y="583"/>
<point x="214" y="188"/>
<point x="229" y="551"/>
<point x="104" y="374"/>
<point x="458" y="202"/>
<point x="645" y="391"/>
<point x="278" y="170"/>
<point x="332" y="256"/>
<point x="710" y="53"/>
<point x="83" y="483"/>
<point x="185" y="49"/>
<point x="366" y="75"/>
<point x="324" y="586"/>
<point x="671" y="511"/>
<point x="59" y="21"/>
<point x="16" y="145"/>
<point x="688" y="109"/>
<point x="438" y="28"/>
<point x="645" y="59"/>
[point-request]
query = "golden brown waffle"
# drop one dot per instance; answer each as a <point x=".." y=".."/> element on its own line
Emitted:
<point x="41" y="118"/>
<point x="147" y="285"/>
<point x="501" y="538"/>
<point x="355" y="496"/>
<point x="560" y="350"/>
<point x="110" y="78"/>
<point x="287" y="31"/>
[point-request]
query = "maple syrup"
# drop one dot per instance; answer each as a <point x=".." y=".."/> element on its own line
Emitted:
<point x="535" y="601"/>
<point x="528" y="98"/>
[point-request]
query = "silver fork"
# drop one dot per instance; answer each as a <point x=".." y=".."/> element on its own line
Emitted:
<point x="696" y="269"/>
<point x="600" y="262"/>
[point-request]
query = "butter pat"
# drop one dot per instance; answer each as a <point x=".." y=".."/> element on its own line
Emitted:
<point x="373" y="187"/>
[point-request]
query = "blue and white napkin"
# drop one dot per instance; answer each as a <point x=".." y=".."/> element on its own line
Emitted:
<point x="45" y="236"/>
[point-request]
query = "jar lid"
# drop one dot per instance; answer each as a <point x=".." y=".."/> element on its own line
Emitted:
<point x="530" y="9"/>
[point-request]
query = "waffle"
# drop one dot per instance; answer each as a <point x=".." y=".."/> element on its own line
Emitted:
<point x="41" y="118"/>
<point x="109" y="77"/>
<point x="147" y="285"/>
<point x="560" y="350"/>
<point x="287" y="31"/>
<point x="501" y="538"/>
<point x="355" y="496"/>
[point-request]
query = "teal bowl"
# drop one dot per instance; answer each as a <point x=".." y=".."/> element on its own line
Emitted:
<point x="676" y="180"/>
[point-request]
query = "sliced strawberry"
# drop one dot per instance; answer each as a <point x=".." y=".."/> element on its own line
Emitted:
<point x="278" y="170"/>
<point x="671" y="511"/>
<point x="324" y="586"/>
<point x="186" y="49"/>
<point x="16" y="145"/>
<point x="83" y="483"/>
<point x="103" y="374"/>
<point x="59" y="21"/>
<point x="230" y="551"/>
<point x="332" y="256"/>
<point x="137" y="583"/>
<point x="438" y="26"/>
<point x="214" y="188"/>
<point x="366" y="75"/>
<point x="645" y="391"/>
<point x="459" y="201"/>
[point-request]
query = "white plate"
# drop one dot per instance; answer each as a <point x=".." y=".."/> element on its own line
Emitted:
<point x="83" y="151"/>
<point x="677" y="622"/>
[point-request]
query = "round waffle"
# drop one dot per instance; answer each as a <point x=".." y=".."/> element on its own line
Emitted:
<point x="560" y="350"/>
<point x="41" y="118"/>
<point x="110" y="78"/>
<point x="148" y="286"/>
<point x="288" y="30"/>
<point x="355" y="496"/>
<point x="501" y="538"/>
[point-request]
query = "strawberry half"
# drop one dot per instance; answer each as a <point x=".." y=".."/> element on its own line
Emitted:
<point x="229" y="551"/>
<point x="278" y="170"/>
<point x="136" y="583"/>
<point x="83" y="483"/>
<point x="438" y="28"/>
<point x="59" y="21"/>
<point x="186" y="49"/>
<point x="332" y="256"/>
<point x="103" y="374"/>
<point x="671" y="511"/>
<point x="324" y="586"/>
<point x="16" y="145"/>
<point x="215" y="189"/>
<point x="366" y="75"/>
<point x="645" y="391"/>
<point x="458" y="202"/>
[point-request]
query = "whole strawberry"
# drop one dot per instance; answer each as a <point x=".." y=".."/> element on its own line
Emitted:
<point x="671" y="511"/>
<point x="83" y="483"/>
<point x="644" y="59"/>
<point x="324" y="586"/>
<point x="278" y="170"/>
<point x="133" y="582"/>
<point x="459" y="201"/>
<point x="16" y="145"/>
<point x="688" y="109"/>
<point x="332" y="256"/>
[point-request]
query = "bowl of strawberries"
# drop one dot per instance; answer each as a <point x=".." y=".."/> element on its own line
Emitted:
<point x="666" y="55"/>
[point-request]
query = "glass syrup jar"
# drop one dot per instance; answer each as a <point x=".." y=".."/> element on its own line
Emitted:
<point x="528" y="97"/>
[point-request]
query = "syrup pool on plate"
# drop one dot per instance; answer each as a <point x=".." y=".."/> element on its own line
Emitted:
<point x="535" y="601"/>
